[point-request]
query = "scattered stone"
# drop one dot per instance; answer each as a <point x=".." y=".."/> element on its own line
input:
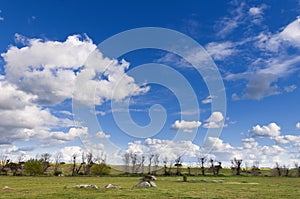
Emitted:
<point x="143" y="184"/>
<point x="110" y="186"/>
<point x="204" y="180"/>
<point x="152" y="184"/>
<point x="7" y="188"/>
<point x="217" y="181"/>
<point x="86" y="186"/>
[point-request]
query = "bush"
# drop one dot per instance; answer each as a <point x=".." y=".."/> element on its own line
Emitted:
<point x="100" y="169"/>
<point x="34" y="167"/>
<point x="57" y="173"/>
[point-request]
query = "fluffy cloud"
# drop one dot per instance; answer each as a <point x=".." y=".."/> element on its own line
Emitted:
<point x="186" y="126"/>
<point x="271" y="130"/>
<point x="220" y="51"/>
<point x="214" y="121"/>
<point x="71" y="135"/>
<point x="165" y="148"/>
<point x="208" y="100"/>
<point x="48" y="69"/>
<point x="102" y="135"/>
<point x="298" y="125"/>
<point x="287" y="139"/>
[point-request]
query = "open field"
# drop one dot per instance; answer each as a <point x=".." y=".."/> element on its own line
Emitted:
<point x="167" y="187"/>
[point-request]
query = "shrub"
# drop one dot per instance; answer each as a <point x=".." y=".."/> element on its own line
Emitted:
<point x="100" y="169"/>
<point x="34" y="167"/>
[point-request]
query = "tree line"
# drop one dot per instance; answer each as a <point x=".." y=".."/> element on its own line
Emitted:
<point x="87" y="163"/>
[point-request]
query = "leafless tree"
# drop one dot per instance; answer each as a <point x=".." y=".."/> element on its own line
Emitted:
<point x="155" y="162"/>
<point x="297" y="167"/>
<point x="165" y="161"/>
<point x="89" y="163"/>
<point x="236" y="166"/>
<point x="255" y="169"/>
<point x="178" y="165"/>
<point x="278" y="169"/>
<point x="57" y="159"/>
<point x="126" y="160"/>
<point x="142" y="163"/>
<point x="202" y="161"/>
<point x="45" y="157"/>
<point x="133" y="157"/>
<point x="150" y="162"/>
<point x="212" y="166"/>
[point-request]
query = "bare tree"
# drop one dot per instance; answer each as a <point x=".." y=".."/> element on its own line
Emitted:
<point x="212" y="166"/>
<point x="45" y="157"/>
<point x="165" y="165"/>
<point x="297" y="167"/>
<point x="236" y="166"/>
<point x="218" y="167"/>
<point x="89" y="163"/>
<point x="142" y="163"/>
<point x="156" y="162"/>
<point x="278" y="169"/>
<point x="133" y="157"/>
<point x="255" y="168"/>
<point x="178" y="165"/>
<point x="150" y="163"/>
<point x="126" y="160"/>
<point x="202" y="161"/>
<point x="57" y="159"/>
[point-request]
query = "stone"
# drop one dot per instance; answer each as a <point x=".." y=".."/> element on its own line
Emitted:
<point x="7" y="188"/>
<point x="86" y="186"/>
<point x="143" y="184"/>
<point x="110" y="186"/>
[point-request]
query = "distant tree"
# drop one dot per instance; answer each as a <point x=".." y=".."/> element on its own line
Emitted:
<point x="278" y="169"/>
<point x="236" y="166"/>
<point x="178" y="165"/>
<point x="297" y="167"/>
<point x="100" y="169"/>
<point x="212" y="167"/>
<point x="126" y="160"/>
<point x="142" y="164"/>
<point x="255" y="169"/>
<point x="89" y="163"/>
<point x="218" y="167"/>
<point x="150" y="163"/>
<point x="155" y="162"/>
<point x="57" y="160"/>
<point x="165" y="165"/>
<point x="45" y="158"/>
<point x="34" y="167"/>
<point x="202" y="162"/>
<point x="133" y="157"/>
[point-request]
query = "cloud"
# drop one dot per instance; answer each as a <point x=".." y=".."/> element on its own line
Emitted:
<point x="220" y="50"/>
<point x="229" y="23"/>
<point x="271" y="130"/>
<point x="208" y="100"/>
<point x="101" y="134"/>
<point x="216" y="120"/>
<point x="255" y="11"/>
<point x="298" y="125"/>
<point x="287" y="139"/>
<point x="290" y="88"/>
<point x="71" y="135"/>
<point x="48" y="69"/>
<point x="186" y="126"/>
<point x="165" y="148"/>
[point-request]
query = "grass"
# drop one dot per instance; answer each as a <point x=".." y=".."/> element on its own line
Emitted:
<point x="167" y="187"/>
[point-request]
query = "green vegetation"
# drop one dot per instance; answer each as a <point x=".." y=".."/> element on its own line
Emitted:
<point x="34" y="167"/>
<point x="100" y="169"/>
<point x="167" y="187"/>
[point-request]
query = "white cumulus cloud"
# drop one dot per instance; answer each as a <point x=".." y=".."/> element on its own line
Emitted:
<point x="216" y="120"/>
<point x="270" y="130"/>
<point x="186" y="126"/>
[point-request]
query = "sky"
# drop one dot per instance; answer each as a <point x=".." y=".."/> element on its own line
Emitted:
<point x="190" y="79"/>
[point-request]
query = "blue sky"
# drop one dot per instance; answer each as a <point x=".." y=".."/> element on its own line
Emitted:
<point x="62" y="92"/>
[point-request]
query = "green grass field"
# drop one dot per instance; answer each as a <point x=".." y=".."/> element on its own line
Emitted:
<point x="167" y="187"/>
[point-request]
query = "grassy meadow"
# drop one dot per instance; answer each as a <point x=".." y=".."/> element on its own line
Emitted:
<point x="167" y="187"/>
